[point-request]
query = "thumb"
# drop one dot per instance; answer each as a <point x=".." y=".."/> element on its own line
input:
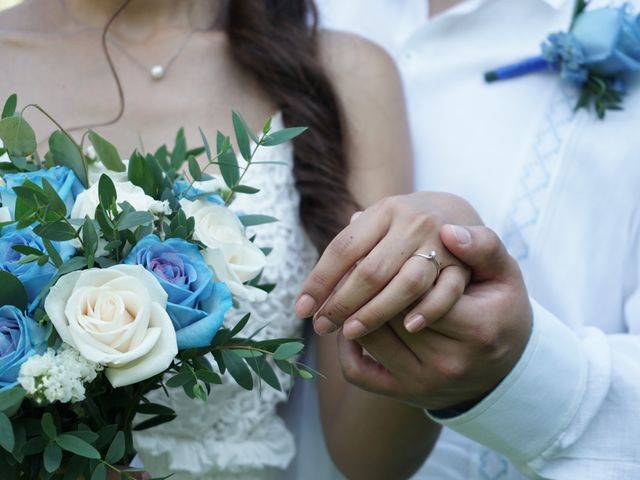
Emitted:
<point x="481" y="249"/>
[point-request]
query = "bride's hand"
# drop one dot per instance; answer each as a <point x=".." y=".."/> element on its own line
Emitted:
<point x="370" y="273"/>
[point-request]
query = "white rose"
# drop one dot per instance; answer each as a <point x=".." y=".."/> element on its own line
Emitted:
<point x="4" y="158"/>
<point x="97" y="169"/>
<point x="88" y="200"/>
<point x="115" y="317"/>
<point x="233" y="257"/>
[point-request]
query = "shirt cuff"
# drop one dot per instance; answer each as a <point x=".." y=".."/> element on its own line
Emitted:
<point x="534" y="404"/>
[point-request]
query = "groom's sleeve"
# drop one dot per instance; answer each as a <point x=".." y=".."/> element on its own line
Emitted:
<point x="570" y="408"/>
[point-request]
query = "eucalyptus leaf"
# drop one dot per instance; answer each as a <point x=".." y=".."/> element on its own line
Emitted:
<point x="245" y="189"/>
<point x="73" y="444"/>
<point x="243" y="135"/>
<point x="253" y="220"/>
<point x="59" y="231"/>
<point x="54" y="255"/>
<point x="117" y="449"/>
<point x="54" y="202"/>
<point x="26" y="250"/>
<point x="227" y="161"/>
<point x="154" y="409"/>
<point x="153" y="422"/>
<point x="10" y="106"/>
<point x="7" y="437"/>
<point x="178" y="154"/>
<point x="134" y="219"/>
<point x="52" y="457"/>
<point x="265" y="371"/>
<point x="107" y="194"/>
<point x="205" y="142"/>
<point x="13" y="293"/>
<point x="282" y="136"/>
<point x="100" y="472"/>
<point x="66" y="152"/>
<point x="238" y="370"/>
<point x="18" y="136"/>
<point x="107" y="153"/>
<point x="287" y="350"/>
<point x="48" y="426"/>
<point x="194" y="169"/>
<point x="90" y="237"/>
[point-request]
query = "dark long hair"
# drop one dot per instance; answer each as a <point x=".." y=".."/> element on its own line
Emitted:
<point x="276" y="41"/>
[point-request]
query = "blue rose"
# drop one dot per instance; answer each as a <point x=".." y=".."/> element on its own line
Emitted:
<point x="62" y="179"/>
<point x="604" y="41"/>
<point x="206" y="190"/>
<point x="20" y="338"/>
<point x="33" y="277"/>
<point x="196" y="304"/>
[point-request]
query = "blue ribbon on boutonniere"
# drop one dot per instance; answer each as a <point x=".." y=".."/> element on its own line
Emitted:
<point x="601" y="46"/>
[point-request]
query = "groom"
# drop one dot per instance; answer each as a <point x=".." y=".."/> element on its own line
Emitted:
<point x="541" y="380"/>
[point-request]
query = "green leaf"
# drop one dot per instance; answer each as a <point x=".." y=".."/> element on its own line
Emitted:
<point x="48" y="426"/>
<point x="105" y="435"/>
<point x="265" y="371"/>
<point x="116" y="450"/>
<point x="266" y="128"/>
<point x="205" y="142"/>
<point x="208" y="376"/>
<point x="242" y="135"/>
<point x="178" y="155"/>
<point x="238" y="370"/>
<point x="10" y="106"/>
<point x="245" y="189"/>
<point x="287" y="350"/>
<point x="54" y="202"/>
<point x="34" y="445"/>
<point x="107" y="153"/>
<point x="12" y="293"/>
<point x="107" y="194"/>
<point x="26" y="250"/>
<point x="227" y="161"/>
<point x="86" y="435"/>
<point x="307" y="375"/>
<point x="153" y="422"/>
<point x="136" y="172"/>
<point x="134" y="219"/>
<point x="253" y="220"/>
<point x="71" y="265"/>
<point x="52" y="457"/>
<point x="100" y="472"/>
<point x="180" y="379"/>
<point x="90" y="237"/>
<point x="59" y="231"/>
<point x="154" y="409"/>
<point x="73" y="444"/>
<point x="18" y="136"/>
<point x="240" y="325"/>
<point x="52" y="252"/>
<point x="282" y="136"/>
<point x="7" y="437"/>
<point x="194" y="169"/>
<point x="65" y="152"/>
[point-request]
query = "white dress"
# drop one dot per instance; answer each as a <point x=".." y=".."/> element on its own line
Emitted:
<point x="238" y="433"/>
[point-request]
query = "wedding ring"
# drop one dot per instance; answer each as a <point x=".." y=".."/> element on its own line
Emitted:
<point x="431" y="256"/>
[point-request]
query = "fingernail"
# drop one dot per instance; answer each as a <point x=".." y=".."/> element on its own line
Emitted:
<point x="324" y="326"/>
<point x="415" y="323"/>
<point x="462" y="234"/>
<point x="305" y="306"/>
<point x="353" y="329"/>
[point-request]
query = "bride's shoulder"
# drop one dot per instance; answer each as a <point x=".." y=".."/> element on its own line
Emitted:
<point x="353" y="62"/>
<point x="28" y="17"/>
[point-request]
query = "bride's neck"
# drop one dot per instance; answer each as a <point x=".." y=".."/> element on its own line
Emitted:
<point x="144" y="18"/>
<point x="436" y="7"/>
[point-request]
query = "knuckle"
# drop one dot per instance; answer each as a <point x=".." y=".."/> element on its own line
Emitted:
<point x="421" y="223"/>
<point x="371" y="272"/>
<point x="415" y="281"/>
<point x="453" y="369"/>
<point x="486" y="337"/>
<point x="341" y="246"/>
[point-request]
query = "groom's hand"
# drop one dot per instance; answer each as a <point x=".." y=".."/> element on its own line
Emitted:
<point x="369" y="273"/>
<point x="461" y="357"/>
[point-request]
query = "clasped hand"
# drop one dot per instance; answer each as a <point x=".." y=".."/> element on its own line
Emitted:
<point x="434" y="343"/>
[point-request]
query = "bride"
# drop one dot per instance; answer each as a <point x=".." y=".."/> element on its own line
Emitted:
<point x="189" y="63"/>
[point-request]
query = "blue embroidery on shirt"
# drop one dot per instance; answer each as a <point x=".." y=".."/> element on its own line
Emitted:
<point x="540" y="168"/>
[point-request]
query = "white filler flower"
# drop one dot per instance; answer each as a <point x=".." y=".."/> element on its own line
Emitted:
<point x="58" y="375"/>
<point x="117" y="317"/>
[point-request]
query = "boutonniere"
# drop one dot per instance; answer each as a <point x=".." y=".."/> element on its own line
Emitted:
<point x="601" y="46"/>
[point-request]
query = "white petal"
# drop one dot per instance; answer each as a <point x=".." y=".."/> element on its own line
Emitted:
<point x="56" y="303"/>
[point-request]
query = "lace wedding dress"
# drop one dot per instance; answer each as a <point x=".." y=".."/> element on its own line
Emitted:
<point x="238" y="434"/>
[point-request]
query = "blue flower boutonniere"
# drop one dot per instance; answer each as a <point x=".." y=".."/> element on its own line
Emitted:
<point x="601" y="46"/>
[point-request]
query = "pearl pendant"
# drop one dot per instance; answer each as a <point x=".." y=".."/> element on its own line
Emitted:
<point x="157" y="72"/>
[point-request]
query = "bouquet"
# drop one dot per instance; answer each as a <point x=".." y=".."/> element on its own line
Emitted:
<point x="115" y="278"/>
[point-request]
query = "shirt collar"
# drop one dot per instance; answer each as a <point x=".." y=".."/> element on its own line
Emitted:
<point x="470" y="6"/>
